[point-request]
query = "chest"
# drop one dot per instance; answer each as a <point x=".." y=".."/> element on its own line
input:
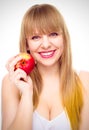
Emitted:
<point x="50" y="104"/>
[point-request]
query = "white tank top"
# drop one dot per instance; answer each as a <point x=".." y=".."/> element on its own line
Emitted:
<point x="60" y="122"/>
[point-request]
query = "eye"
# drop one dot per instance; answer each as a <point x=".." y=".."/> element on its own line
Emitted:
<point x="35" y="37"/>
<point x="53" y="34"/>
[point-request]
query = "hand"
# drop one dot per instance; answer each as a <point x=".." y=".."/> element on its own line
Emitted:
<point x="22" y="81"/>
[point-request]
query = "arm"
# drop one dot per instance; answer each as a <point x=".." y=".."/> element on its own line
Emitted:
<point x="84" y="76"/>
<point x="17" y="106"/>
<point x="16" y="111"/>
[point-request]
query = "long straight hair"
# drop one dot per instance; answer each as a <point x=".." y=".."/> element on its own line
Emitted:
<point x="46" y="18"/>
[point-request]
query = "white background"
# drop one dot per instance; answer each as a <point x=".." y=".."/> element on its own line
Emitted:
<point x="76" y="14"/>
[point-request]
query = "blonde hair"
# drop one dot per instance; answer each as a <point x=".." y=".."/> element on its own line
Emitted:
<point x="46" y="18"/>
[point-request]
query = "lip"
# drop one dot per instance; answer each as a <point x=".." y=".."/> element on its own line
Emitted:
<point x="47" y="54"/>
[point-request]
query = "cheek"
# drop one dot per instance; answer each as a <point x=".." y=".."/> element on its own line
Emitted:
<point x="32" y="47"/>
<point x="61" y="49"/>
<point x="60" y="43"/>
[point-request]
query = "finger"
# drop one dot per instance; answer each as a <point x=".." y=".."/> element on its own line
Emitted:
<point x="13" y="63"/>
<point x="24" y="87"/>
<point x="20" y="74"/>
<point x="21" y="84"/>
<point x="9" y="61"/>
<point x="17" y="75"/>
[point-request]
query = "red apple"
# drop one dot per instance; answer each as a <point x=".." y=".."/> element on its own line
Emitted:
<point x="27" y="63"/>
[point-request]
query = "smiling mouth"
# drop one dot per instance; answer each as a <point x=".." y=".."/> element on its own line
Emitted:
<point x="47" y="54"/>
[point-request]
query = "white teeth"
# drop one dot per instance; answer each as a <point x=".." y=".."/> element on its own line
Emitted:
<point x="46" y="54"/>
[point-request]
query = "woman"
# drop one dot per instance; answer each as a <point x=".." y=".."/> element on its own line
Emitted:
<point x="53" y="96"/>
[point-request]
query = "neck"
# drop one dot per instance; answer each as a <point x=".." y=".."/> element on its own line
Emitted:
<point x="49" y="71"/>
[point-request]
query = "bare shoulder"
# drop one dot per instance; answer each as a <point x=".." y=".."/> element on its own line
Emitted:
<point x="9" y="93"/>
<point x="84" y="76"/>
<point x="8" y="86"/>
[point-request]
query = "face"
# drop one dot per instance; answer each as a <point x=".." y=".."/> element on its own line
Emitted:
<point x="46" y="48"/>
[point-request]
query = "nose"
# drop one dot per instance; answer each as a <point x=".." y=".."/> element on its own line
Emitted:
<point x="45" y="42"/>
